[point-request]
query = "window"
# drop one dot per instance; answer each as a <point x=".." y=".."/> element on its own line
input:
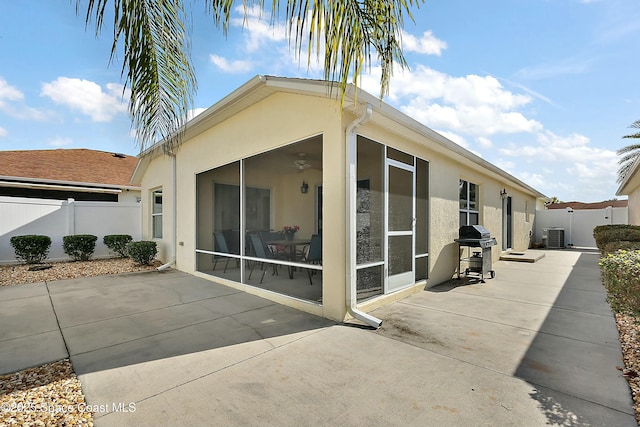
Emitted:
<point x="469" y="214"/>
<point x="156" y="214"/>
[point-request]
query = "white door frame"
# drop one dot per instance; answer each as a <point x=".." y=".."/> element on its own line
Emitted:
<point x="399" y="281"/>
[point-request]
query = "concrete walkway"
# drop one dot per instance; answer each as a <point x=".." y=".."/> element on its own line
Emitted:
<point x="535" y="346"/>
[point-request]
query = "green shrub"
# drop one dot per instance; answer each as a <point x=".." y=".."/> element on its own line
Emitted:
<point x="118" y="243"/>
<point x="79" y="247"/>
<point x="621" y="277"/>
<point x="615" y="233"/>
<point x="612" y="247"/>
<point x="32" y="248"/>
<point x="142" y="252"/>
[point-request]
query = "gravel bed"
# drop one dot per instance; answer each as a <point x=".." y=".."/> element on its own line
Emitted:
<point x="20" y="274"/>
<point x="629" y="330"/>
<point x="51" y="394"/>
<point x="48" y="395"/>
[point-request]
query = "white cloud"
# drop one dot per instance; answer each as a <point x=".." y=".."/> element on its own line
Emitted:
<point x="583" y="168"/>
<point x="427" y="43"/>
<point x="568" y="150"/>
<point x="8" y="92"/>
<point x="568" y="66"/>
<point x="234" y="66"/>
<point x="535" y="180"/>
<point x="193" y="113"/>
<point x="60" y="142"/>
<point x="451" y="136"/>
<point x="259" y="30"/>
<point x="12" y="104"/>
<point x="472" y="104"/>
<point x="484" y="142"/>
<point x="506" y="165"/>
<point x="3" y="132"/>
<point x="87" y="97"/>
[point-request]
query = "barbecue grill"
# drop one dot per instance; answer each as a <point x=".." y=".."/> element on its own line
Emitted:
<point x="478" y="262"/>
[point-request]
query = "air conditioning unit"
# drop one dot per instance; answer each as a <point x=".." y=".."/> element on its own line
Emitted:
<point x="555" y="238"/>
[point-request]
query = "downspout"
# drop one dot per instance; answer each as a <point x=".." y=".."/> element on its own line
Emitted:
<point x="351" y="220"/>
<point x="174" y="205"/>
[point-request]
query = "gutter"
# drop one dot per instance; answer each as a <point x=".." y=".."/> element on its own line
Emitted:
<point x="351" y="220"/>
<point x="174" y="197"/>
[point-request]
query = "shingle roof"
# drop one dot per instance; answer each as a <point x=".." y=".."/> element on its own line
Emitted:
<point x="597" y="205"/>
<point x="70" y="165"/>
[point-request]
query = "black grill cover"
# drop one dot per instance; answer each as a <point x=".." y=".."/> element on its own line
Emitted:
<point x="473" y="232"/>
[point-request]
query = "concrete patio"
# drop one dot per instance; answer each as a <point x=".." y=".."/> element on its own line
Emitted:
<point x="535" y="346"/>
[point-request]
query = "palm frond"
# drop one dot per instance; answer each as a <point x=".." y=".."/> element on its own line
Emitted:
<point x="635" y="124"/>
<point x="351" y="34"/>
<point x="156" y="65"/>
<point x="624" y="170"/>
<point x="628" y="149"/>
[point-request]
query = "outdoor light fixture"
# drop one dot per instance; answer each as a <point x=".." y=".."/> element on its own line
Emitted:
<point x="503" y="193"/>
<point x="304" y="187"/>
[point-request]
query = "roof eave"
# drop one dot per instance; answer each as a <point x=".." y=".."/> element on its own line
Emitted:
<point x="252" y="92"/>
<point x="78" y="184"/>
<point x="446" y="144"/>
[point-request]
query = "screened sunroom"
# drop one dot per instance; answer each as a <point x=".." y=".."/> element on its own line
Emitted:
<point x="259" y="220"/>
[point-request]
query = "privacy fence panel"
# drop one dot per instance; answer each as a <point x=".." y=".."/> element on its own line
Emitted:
<point x="578" y="224"/>
<point x="57" y="218"/>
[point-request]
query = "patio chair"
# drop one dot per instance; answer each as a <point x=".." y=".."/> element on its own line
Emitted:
<point x="313" y="253"/>
<point x="261" y="250"/>
<point x="277" y="250"/>
<point x="221" y="245"/>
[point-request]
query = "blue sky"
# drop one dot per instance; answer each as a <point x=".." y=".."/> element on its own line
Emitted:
<point x="544" y="89"/>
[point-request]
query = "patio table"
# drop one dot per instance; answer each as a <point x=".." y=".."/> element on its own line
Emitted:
<point x="291" y="249"/>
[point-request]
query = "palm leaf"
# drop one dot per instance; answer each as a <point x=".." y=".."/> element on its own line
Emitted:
<point x="156" y="67"/>
<point x="629" y="154"/>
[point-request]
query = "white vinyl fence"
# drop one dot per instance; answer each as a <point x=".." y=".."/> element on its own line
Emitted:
<point x="56" y="218"/>
<point x="578" y="224"/>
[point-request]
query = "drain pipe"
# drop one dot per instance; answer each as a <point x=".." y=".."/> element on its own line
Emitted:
<point x="174" y="204"/>
<point x="351" y="220"/>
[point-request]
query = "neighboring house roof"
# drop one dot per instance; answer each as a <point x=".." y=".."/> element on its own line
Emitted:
<point x="596" y="205"/>
<point x="384" y="115"/>
<point x="83" y="167"/>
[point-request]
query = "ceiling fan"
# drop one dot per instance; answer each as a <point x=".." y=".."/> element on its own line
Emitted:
<point x="301" y="163"/>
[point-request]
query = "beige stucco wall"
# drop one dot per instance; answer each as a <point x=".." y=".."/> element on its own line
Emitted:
<point x="444" y="175"/>
<point x="158" y="175"/>
<point x="631" y="187"/>
<point x="279" y="120"/>
<point x="283" y="119"/>
<point x="634" y="206"/>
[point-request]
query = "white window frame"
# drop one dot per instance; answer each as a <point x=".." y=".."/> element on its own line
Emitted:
<point x="467" y="211"/>
<point x="156" y="234"/>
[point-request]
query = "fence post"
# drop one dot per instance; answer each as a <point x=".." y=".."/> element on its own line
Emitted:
<point x="608" y="214"/>
<point x="71" y="217"/>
